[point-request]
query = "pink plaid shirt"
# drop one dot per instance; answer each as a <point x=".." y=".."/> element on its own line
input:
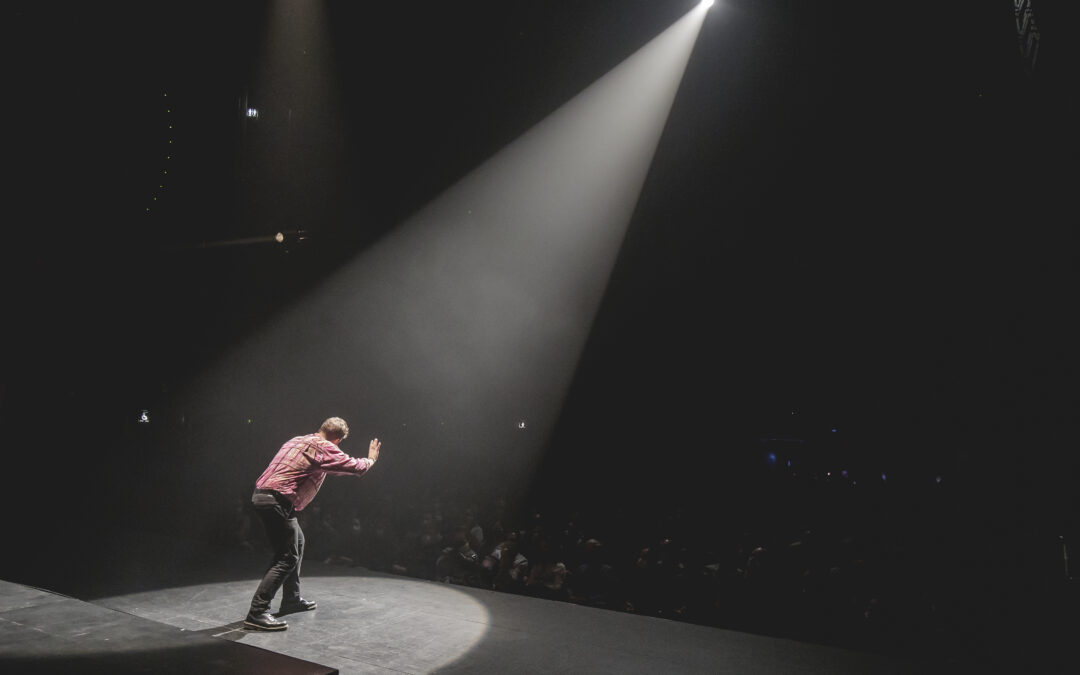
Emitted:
<point x="300" y="467"/>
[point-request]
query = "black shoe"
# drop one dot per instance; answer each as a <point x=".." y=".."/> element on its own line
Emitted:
<point x="264" y="621"/>
<point x="298" y="605"/>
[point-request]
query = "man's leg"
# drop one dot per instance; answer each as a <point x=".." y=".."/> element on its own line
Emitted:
<point x="286" y="539"/>
<point x="290" y="597"/>
<point x="290" y="592"/>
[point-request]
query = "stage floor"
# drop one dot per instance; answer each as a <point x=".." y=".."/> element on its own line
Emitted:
<point x="374" y="623"/>
<point x="368" y="622"/>
<point x="44" y="632"/>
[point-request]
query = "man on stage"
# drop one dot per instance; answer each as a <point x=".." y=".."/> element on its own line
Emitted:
<point x="288" y="485"/>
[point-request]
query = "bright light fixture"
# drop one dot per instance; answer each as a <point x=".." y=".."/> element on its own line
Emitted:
<point x="707" y="3"/>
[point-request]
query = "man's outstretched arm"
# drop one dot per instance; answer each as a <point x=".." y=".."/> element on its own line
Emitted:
<point x="336" y="461"/>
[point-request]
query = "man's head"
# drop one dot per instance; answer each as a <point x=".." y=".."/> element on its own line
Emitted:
<point x="334" y="430"/>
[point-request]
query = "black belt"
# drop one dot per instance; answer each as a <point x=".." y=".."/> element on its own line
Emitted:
<point x="282" y="500"/>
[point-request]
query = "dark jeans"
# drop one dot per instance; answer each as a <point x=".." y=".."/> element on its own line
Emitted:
<point x="287" y="539"/>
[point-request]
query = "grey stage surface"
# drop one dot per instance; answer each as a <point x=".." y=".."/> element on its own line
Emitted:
<point x="369" y="622"/>
<point x="375" y="623"/>
<point x="44" y="632"/>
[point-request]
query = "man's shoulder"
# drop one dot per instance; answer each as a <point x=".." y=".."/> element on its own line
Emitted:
<point x="303" y="441"/>
<point x="316" y="439"/>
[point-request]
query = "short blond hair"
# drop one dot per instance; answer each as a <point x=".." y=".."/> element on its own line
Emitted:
<point x="335" y="427"/>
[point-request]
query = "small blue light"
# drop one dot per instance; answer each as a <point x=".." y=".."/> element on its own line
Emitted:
<point x="883" y="478"/>
<point x="771" y="457"/>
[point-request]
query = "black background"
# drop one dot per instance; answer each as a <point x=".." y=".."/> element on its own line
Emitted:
<point x="859" y="217"/>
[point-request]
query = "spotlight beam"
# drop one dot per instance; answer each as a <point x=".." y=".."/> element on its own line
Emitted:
<point x="473" y="313"/>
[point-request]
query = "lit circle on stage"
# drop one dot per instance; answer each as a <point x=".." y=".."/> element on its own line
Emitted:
<point x="356" y="606"/>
